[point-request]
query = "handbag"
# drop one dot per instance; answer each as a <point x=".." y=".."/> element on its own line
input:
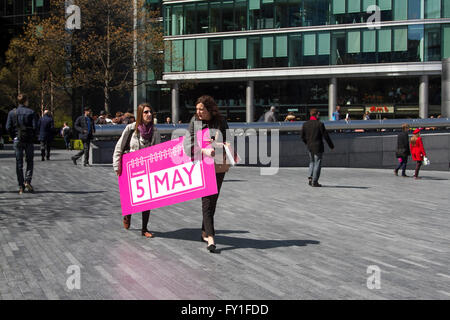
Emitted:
<point x="426" y="161"/>
<point x="230" y="158"/>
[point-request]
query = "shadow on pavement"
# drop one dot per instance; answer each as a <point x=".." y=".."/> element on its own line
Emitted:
<point x="41" y="191"/>
<point x="345" y="187"/>
<point x="233" y="242"/>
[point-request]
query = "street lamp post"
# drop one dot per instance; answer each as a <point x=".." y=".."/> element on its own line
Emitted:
<point x="135" y="104"/>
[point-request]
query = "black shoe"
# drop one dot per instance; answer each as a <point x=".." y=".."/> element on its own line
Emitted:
<point x="86" y="165"/>
<point x="42" y="159"/>
<point x="29" y="187"/>
<point x="405" y="176"/>
<point x="74" y="161"/>
<point x="211" y="248"/>
<point x="310" y="181"/>
<point x="316" y="184"/>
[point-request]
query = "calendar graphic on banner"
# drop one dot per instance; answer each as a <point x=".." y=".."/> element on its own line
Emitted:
<point x="163" y="174"/>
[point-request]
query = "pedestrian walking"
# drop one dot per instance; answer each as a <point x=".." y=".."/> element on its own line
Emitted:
<point x="313" y="133"/>
<point x="86" y="128"/>
<point x="22" y="125"/>
<point x="269" y="116"/>
<point x="417" y="151"/>
<point x="46" y="127"/>
<point x="65" y="133"/>
<point x="336" y="116"/>
<point x="208" y="114"/>
<point x="137" y="135"/>
<point x="403" y="150"/>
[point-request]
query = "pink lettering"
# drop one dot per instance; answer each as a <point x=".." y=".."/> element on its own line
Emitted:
<point x="189" y="173"/>
<point x="175" y="181"/>
<point x="165" y="178"/>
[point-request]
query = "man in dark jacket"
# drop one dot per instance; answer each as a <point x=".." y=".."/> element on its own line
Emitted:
<point x="22" y="127"/>
<point x="86" y="128"/>
<point x="313" y="133"/>
<point x="46" y="126"/>
<point x="403" y="150"/>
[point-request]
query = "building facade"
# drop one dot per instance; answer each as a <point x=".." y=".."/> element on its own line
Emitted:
<point x="13" y="14"/>
<point x="381" y="56"/>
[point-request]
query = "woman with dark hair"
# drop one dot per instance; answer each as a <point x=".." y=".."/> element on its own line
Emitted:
<point x="137" y="135"/>
<point x="208" y="116"/>
<point x="417" y="151"/>
<point x="402" y="150"/>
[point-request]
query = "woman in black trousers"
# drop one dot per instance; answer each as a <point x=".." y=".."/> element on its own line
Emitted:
<point x="208" y="116"/>
<point x="403" y="150"/>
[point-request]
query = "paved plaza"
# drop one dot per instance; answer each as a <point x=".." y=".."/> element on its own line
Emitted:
<point x="277" y="237"/>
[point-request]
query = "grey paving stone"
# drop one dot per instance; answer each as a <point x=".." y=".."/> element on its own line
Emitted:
<point x="277" y="237"/>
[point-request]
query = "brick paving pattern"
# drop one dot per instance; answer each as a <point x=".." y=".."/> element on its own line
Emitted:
<point x="277" y="237"/>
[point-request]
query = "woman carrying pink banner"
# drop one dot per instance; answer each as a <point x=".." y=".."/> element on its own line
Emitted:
<point x="208" y="116"/>
<point x="138" y="135"/>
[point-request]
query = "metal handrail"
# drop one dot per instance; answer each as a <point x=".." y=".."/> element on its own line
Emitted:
<point x="441" y="123"/>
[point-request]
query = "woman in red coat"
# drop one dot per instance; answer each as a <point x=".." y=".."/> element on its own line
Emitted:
<point x="417" y="151"/>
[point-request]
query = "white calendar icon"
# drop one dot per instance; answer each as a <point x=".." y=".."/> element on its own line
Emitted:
<point x="139" y="184"/>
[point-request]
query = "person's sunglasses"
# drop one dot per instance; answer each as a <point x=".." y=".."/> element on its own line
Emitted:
<point x="147" y="111"/>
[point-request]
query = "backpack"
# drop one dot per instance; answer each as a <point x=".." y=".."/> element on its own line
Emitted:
<point x="24" y="133"/>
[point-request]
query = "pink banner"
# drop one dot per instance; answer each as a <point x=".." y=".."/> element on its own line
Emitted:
<point x="163" y="174"/>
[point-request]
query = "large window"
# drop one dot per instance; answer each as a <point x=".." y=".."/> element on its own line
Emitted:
<point x="241" y="15"/>
<point x="295" y="47"/>
<point x="446" y="8"/>
<point x="177" y="20"/>
<point x="190" y="19"/>
<point x="214" y="17"/>
<point x="202" y="18"/>
<point x="446" y="44"/>
<point x="267" y="14"/>
<point x="433" y="9"/>
<point x="432" y="43"/>
<point x="281" y="13"/>
<point x="414" y="43"/>
<point x="254" y="14"/>
<point x="228" y="16"/>
<point x="415" y="9"/>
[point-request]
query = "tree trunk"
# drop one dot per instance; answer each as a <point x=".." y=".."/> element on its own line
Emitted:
<point x="42" y="98"/>
<point x="75" y="112"/>
<point x="51" y="93"/>
<point x="18" y="82"/>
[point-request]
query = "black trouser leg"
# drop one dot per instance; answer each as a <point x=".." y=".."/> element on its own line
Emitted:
<point x="19" y="149"/>
<point x="418" y="165"/>
<point x="79" y="154"/>
<point x="145" y="218"/>
<point x="209" y="207"/>
<point x="48" y="150"/>
<point x="29" y="157"/>
<point x="86" y="145"/>
<point x="43" y="147"/>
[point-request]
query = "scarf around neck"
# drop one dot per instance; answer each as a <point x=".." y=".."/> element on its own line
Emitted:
<point x="146" y="130"/>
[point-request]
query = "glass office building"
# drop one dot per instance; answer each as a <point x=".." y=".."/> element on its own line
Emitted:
<point x="381" y="56"/>
<point x="13" y="15"/>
